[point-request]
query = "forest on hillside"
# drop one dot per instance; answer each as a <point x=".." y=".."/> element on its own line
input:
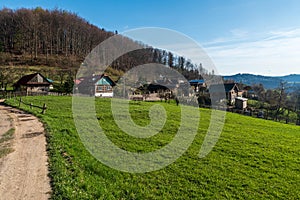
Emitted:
<point x="58" y="41"/>
<point x="40" y="33"/>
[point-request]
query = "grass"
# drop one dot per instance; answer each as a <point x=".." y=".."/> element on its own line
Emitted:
<point x="253" y="158"/>
<point x="4" y="142"/>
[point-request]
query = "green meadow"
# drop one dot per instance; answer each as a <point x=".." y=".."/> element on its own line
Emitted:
<point x="253" y="158"/>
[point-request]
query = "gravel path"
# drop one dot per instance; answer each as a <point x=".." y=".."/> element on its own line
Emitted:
<point x="24" y="172"/>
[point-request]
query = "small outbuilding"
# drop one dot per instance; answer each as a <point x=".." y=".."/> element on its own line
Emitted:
<point x="241" y="103"/>
<point x="231" y="90"/>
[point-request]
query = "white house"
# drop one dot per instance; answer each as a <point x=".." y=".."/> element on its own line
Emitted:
<point x="97" y="85"/>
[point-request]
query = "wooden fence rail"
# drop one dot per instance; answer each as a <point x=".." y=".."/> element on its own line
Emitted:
<point x="44" y="107"/>
<point x="13" y="94"/>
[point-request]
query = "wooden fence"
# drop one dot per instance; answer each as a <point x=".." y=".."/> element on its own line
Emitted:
<point x="44" y="107"/>
<point x="13" y="94"/>
<point x="17" y="98"/>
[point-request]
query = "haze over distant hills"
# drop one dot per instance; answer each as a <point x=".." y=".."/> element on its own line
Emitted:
<point x="269" y="82"/>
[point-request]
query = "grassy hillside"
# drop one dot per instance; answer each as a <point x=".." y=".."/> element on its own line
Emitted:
<point x="253" y="159"/>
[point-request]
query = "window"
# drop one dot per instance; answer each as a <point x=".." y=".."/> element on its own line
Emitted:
<point x="103" y="88"/>
<point x="108" y="87"/>
<point x="99" y="88"/>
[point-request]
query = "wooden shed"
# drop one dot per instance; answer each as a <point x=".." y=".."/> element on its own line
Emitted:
<point x="241" y="103"/>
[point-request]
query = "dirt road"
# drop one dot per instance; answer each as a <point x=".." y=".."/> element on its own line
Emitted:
<point x="24" y="172"/>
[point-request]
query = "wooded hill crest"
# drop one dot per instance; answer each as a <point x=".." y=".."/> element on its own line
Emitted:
<point x="269" y="82"/>
<point x="57" y="38"/>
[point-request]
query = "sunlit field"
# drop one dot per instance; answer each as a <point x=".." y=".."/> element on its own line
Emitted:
<point x="253" y="158"/>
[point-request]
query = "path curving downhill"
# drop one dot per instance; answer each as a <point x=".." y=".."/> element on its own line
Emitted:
<point x="24" y="172"/>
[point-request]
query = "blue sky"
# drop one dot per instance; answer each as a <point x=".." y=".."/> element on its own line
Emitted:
<point x="241" y="36"/>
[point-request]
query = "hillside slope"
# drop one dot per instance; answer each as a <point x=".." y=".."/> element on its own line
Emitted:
<point x="58" y="39"/>
<point x="253" y="158"/>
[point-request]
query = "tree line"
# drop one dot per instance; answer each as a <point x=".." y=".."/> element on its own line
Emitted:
<point x="47" y="32"/>
<point x="58" y="38"/>
<point x="280" y="104"/>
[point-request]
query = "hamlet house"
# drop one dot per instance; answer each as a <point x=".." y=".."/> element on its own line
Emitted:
<point x="96" y="85"/>
<point x="231" y="91"/>
<point x="33" y="83"/>
<point x="198" y="85"/>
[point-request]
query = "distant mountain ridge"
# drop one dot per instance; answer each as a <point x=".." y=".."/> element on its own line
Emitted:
<point x="269" y="82"/>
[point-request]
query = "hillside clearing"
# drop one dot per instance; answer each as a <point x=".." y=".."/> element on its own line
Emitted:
<point x="253" y="158"/>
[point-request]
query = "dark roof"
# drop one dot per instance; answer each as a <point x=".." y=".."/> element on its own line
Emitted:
<point x="92" y="80"/>
<point x="230" y="86"/>
<point x="165" y="82"/>
<point x="226" y="87"/>
<point x="87" y="84"/>
<point x="25" y="79"/>
<point x="153" y="87"/>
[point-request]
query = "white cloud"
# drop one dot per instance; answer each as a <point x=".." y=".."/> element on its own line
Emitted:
<point x="239" y="33"/>
<point x="271" y="53"/>
<point x="236" y="35"/>
<point x="277" y="53"/>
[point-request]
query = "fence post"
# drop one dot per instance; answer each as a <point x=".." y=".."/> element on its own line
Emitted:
<point x="44" y="109"/>
<point x="30" y="105"/>
<point x="20" y="101"/>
